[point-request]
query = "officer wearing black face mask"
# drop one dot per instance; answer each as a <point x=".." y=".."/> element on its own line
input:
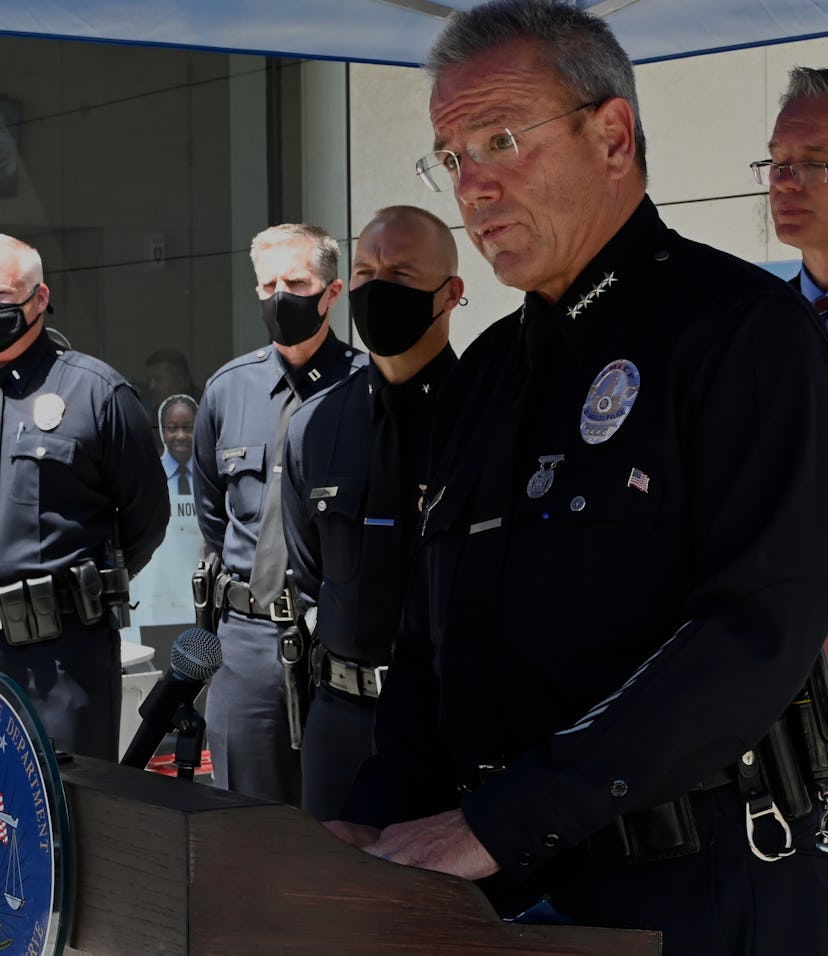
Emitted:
<point x="83" y="505"/>
<point x="355" y="464"/>
<point x="237" y="456"/>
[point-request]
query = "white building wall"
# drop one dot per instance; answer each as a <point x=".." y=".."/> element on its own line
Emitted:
<point x="705" y="118"/>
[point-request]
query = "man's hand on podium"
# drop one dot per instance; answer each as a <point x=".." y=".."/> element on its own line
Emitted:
<point x="443" y="842"/>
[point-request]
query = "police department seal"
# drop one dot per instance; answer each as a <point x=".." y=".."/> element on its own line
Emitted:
<point x="34" y="833"/>
<point x="609" y="400"/>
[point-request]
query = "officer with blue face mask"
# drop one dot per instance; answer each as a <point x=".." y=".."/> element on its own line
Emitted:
<point x="355" y="464"/>
<point x="237" y="452"/>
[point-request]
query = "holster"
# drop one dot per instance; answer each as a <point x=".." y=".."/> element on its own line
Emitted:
<point x="295" y="643"/>
<point x="204" y="587"/>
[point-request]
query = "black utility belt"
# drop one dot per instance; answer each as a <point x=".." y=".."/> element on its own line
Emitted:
<point x="347" y="677"/>
<point x="31" y="610"/>
<point x="236" y="596"/>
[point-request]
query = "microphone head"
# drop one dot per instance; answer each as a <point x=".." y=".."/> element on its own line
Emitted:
<point x="196" y="654"/>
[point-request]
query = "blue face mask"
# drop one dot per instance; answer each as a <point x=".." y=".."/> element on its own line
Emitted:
<point x="291" y="319"/>
<point x="13" y="324"/>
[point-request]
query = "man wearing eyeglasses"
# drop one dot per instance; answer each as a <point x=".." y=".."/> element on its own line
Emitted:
<point x="797" y="174"/>
<point x="624" y="534"/>
<point x="83" y="506"/>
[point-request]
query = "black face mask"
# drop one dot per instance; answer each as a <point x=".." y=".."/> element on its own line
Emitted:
<point x="13" y="324"/>
<point x="390" y="318"/>
<point x="291" y="319"/>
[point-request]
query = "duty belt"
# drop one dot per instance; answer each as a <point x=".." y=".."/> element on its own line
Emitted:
<point x="237" y="596"/>
<point x="348" y="677"/>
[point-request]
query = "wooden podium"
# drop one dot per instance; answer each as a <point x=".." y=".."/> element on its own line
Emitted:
<point x="165" y="866"/>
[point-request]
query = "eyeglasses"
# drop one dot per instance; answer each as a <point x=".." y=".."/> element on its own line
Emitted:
<point x="440" y="170"/>
<point x="768" y="173"/>
<point x="19" y="305"/>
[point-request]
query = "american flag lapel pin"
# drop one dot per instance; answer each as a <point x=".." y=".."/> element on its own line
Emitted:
<point x="638" y="479"/>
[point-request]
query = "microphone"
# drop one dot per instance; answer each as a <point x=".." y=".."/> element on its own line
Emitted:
<point x="194" y="658"/>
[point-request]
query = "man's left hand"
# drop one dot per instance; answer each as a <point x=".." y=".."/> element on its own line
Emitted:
<point x="443" y="842"/>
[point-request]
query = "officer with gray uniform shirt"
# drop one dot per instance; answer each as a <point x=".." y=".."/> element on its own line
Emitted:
<point x="83" y="505"/>
<point x="237" y="453"/>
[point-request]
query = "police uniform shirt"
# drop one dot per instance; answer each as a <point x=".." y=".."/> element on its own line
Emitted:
<point x="76" y="445"/>
<point x="327" y="465"/>
<point x="234" y="437"/>
<point x="620" y="632"/>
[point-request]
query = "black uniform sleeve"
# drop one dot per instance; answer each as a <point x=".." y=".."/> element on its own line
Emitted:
<point x="136" y="476"/>
<point x="755" y="449"/>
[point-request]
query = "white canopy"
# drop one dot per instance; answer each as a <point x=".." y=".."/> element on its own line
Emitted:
<point x="400" y="31"/>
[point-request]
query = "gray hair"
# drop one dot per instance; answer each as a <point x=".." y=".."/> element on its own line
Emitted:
<point x="582" y="50"/>
<point x="28" y="259"/>
<point x="804" y="82"/>
<point x="326" y="250"/>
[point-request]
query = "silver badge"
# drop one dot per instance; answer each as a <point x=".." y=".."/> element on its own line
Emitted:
<point x="48" y="411"/>
<point x="609" y="400"/>
<point x="542" y="480"/>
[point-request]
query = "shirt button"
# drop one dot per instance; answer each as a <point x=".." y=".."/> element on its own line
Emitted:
<point x="261" y="353"/>
<point x="525" y="858"/>
<point x="40" y="451"/>
<point x="619" y="788"/>
<point x="232" y="467"/>
<point x="322" y="506"/>
<point x="662" y="255"/>
<point x="578" y="503"/>
<point x="551" y="840"/>
<point x="349" y="354"/>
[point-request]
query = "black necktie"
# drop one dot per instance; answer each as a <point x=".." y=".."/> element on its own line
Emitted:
<point x="183" y="480"/>
<point x="267" y="576"/>
<point x="381" y="558"/>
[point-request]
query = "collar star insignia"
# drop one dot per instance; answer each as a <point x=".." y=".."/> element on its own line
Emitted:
<point x="588" y="297"/>
<point x="426" y="387"/>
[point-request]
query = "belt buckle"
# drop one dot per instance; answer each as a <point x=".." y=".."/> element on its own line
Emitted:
<point x="379" y="676"/>
<point x="284" y="600"/>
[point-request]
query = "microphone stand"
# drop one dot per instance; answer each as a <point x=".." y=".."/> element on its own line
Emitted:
<point x="190" y="726"/>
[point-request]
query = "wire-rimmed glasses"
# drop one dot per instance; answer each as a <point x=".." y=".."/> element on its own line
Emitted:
<point x="440" y="170"/>
<point x="768" y="173"/>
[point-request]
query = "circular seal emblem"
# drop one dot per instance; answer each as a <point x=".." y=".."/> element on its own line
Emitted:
<point x="34" y="833"/>
<point x="609" y="400"/>
<point x="48" y="411"/>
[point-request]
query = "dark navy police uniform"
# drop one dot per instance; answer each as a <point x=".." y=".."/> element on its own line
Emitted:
<point x="233" y="453"/>
<point x="625" y="538"/>
<point x="327" y="465"/>
<point x="75" y="448"/>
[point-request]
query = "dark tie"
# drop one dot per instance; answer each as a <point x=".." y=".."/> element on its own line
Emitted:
<point x="183" y="480"/>
<point x="381" y="558"/>
<point x="820" y="306"/>
<point x="267" y="576"/>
